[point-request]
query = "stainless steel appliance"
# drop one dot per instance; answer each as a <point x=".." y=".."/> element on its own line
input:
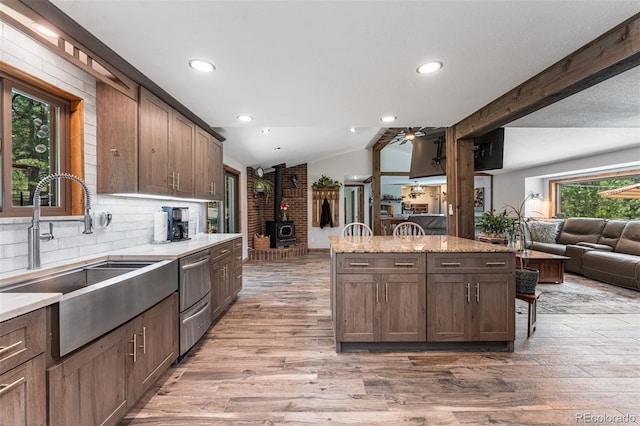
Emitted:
<point x="195" y="298"/>
<point x="178" y="227"/>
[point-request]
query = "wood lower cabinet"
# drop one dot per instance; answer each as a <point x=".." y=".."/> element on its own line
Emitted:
<point x="100" y="382"/>
<point x="22" y="370"/>
<point x="473" y="301"/>
<point x="90" y="387"/>
<point x="226" y="275"/>
<point x="153" y="341"/>
<point x="388" y="306"/>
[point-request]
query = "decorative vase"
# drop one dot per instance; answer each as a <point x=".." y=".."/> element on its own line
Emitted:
<point x="284" y="215"/>
<point x="526" y="280"/>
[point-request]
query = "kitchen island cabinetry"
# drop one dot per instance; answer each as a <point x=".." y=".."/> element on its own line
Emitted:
<point x="22" y="370"/>
<point x="380" y="298"/>
<point x="236" y="284"/>
<point x="100" y="382"/>
<point x="426" y="291"/>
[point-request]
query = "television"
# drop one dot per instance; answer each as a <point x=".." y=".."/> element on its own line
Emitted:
<point x="488" y="151"/>
<point x="428" y="157"/>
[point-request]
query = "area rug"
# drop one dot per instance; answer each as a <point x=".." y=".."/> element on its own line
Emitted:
<point x="580" y="295"/>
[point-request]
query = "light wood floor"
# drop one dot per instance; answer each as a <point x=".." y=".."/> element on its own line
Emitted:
<point x="271" y="360"/>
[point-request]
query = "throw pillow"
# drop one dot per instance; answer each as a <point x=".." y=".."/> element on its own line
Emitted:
<point x="543" y="231"/>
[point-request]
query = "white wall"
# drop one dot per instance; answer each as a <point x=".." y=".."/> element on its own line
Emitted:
<point x="512" y="188"/>
<point x="352" y="163"/>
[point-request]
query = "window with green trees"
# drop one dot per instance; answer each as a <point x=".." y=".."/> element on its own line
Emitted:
<point x="34" y="144"/>
<point x="581" y="198"/>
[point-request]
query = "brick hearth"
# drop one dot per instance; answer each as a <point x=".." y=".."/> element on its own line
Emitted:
<point x="278" y="253"/>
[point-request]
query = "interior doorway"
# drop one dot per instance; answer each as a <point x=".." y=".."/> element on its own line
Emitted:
<point x="231" y="200"/>
<point x="353" y="203"/>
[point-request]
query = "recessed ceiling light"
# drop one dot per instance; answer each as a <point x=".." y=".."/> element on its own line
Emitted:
<point x="352" y="130"/>
<point x="388" y="118"/>
<point x="265" y="131"/>
<point x="44" y="30"/>
<point x="245" y="118"/>
<point x="429" y="67"/>
<point x="201" y="65"/>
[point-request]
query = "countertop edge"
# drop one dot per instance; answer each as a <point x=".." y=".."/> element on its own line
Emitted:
<point x="13" y="305"/>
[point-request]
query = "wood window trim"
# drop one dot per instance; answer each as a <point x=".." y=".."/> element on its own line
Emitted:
<point x="553" y="184"/>
<point x="72" y="150"/>
<point x="238" y="206"/>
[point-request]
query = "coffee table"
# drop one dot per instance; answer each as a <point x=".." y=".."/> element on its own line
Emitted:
<point x="551" y="266"/>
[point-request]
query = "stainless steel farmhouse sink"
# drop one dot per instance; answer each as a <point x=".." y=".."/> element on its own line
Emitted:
<point x="99" y="297"/>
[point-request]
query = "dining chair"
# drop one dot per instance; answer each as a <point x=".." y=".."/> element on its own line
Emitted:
<point x="357" y="229"/>
<point x="406" y="229"/>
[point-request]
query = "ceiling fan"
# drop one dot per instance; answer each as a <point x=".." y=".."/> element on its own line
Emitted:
<point x="410" y="133"/>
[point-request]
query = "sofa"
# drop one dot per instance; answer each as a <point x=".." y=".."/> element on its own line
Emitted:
<point x="605" y="250"/>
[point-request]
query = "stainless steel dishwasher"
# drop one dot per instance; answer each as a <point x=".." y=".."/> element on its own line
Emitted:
<point x="195" y="298"/>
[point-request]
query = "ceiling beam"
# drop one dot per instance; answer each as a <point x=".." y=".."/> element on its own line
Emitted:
<point x="612" y="53"/>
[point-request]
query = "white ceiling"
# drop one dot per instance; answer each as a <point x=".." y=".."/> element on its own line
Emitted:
<point x="310" y="70"/>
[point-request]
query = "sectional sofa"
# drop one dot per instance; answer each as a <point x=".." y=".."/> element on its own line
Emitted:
<point x="605" y="250"/>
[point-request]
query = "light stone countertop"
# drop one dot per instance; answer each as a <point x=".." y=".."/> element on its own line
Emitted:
<point x="15" y="304"/>
<point x="423" y="244"/>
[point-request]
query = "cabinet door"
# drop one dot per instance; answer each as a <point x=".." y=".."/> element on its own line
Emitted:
<point x="236" y="277"/>
<point x="219" y="287"/>
<point x="117" y="141"/>
<point x="89" y="388"/>
<point x="493" y="316"/>
<point x="156" y="346"/>
<point x="182" y="146"/>
<point x="155" y="137"/>
<point x="448" y="305"/>
<point x="217" y="170"/>
<point x="403" y="315"/>
<point x="23" y="394"/>
<point x="356" y="306"/>
<point x="202" y="164"/>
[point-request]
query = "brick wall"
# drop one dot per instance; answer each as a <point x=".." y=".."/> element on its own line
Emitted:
<point x="260" y="208"/>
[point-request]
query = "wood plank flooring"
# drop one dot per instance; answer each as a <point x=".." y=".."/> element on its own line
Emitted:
<point x="271" y="360"/>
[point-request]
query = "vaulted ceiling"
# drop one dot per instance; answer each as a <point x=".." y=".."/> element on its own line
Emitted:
<point x="312" y="70"/>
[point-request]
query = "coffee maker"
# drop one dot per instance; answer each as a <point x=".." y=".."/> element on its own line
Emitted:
<point x="178" y="227"/>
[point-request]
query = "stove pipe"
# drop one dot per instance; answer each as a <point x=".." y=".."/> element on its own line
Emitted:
<point x="277" y="198"/>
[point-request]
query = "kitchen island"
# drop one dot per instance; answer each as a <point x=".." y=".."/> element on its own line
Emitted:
<point x="429" y="292"/>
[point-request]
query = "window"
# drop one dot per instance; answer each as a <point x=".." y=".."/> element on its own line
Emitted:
<point x="579" y="197"/>
<point x="35" y="143"/>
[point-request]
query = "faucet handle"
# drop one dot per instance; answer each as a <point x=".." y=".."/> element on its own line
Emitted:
<point x="49" y="235"/>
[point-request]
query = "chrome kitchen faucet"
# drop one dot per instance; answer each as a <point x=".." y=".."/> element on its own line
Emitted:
<point x="34" y="229"/>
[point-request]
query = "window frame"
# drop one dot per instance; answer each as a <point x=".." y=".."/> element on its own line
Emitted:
<point x="45" y="91"/>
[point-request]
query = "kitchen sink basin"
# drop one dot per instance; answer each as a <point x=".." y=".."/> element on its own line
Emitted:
<point x="100" y="297"/>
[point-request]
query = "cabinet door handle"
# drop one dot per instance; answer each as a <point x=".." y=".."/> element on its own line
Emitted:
<point x="5" y="349"/>
<point x="173" y="180"/>
<point x="214" y="188"/>
<point x="178" y="186"/>
<point x="211" y="188"/>
<point x="135" y="347"/>
<point x="224" y="251"/>
<point x="386" y="292"/>
<point x="495" y="263"/>
<point x="7" y="388"/>
<point x="478" y="292"/>
<point x="144" y="340"/>
<point x="450" y="264"/>
<point x="377" y="300"/>
<point x="404" y="263"/>
<point x="468" y="293"/>
<point x="239" y="277"/>
<point x="359" y="264"/>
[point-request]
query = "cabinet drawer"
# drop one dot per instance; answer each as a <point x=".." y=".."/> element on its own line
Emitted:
<point x="237" y="245"/>
<point x="470" y="262"/>
<point x="221" y="250"/>
<point x="21" y="339"/>
<point x="358" y="263"/>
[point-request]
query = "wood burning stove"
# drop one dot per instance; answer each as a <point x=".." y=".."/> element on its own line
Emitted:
<point x="282" y="233"/>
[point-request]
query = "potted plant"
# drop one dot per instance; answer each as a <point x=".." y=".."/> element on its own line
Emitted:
<point x="261" y="186"/>
<point x="495" y="225"/>
<point x="325" y="181"/>
<point x="526" y="278"/>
